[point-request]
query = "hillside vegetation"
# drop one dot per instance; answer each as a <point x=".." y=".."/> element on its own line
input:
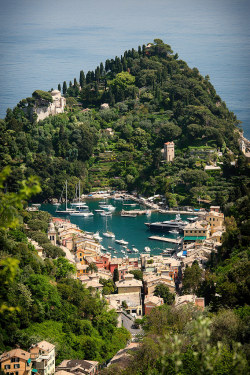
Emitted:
<point x="153" y="97"/>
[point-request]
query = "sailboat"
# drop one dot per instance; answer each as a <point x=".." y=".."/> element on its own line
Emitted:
<point x="82" y="208"/>
<point x="67" y="210"/>
<point x="108" y="234"/>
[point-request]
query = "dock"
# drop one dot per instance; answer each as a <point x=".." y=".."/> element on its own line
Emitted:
<point x="173" y="212"/>
<point x="164" y="239"/>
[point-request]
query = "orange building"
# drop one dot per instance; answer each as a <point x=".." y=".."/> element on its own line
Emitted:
<point x="16" y="362"/>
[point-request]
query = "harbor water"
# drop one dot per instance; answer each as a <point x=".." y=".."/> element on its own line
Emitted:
<point x="131" y="229"/>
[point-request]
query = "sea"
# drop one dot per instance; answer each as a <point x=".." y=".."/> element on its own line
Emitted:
<point x="43" y="43"/>
<point x="131" y="229"/>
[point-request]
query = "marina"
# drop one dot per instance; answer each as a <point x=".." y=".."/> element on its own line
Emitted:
<point x="111" y="225"/>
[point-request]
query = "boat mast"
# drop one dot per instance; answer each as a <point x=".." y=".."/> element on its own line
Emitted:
<point x="79" y="191"/>
<point x="66" y="193"/>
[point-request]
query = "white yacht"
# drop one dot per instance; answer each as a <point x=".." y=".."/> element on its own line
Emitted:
<point x="147" y="249"/>
<point x="109" y="234"/>
<point x="97" y="236"/>
<point x="121" y="242"/>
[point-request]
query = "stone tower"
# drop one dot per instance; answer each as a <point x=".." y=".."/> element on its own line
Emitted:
<point x="168" y="151"/>
<point x="52" y="233"/>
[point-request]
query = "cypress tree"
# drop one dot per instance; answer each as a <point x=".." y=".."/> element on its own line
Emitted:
<point x="70" y="84"/>
<point x="59" y="87"/>
<point x="64" y="87"/>
<point x="82" y="79"/>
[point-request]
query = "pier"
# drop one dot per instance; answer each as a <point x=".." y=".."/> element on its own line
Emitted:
<point x="163" y="239"/>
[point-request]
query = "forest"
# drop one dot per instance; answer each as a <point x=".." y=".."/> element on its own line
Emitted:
<point x="152" y="97"/>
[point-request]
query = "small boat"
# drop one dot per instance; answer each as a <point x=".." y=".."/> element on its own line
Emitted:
<point x="129" y="251"/>
<point x="175" y="231"/>
<point x="135" y="250"/>
<point x="105" y="213"/>
<point x="115" y="252"/>
<point x="36" y="204"/>
<point x="81" y="213"/>
<point x="121" y="242"/>
<point x="122" y="251"/>
<point x="110" y="247"/>
<point x="147" y="249"/>
<point x="99" y="211"/>
<point x="107" y="207"/>
<point x="127" y="214"/>
<point x="97" y="236"/>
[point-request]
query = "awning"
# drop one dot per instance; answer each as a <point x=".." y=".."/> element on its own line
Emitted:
<point x="34" y="370"/>
<point x="194" y="238"/>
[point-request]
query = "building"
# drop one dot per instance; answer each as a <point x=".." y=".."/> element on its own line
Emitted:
<point x="190" y="298"/>
<point x="78" y="367"/>
<point x="57" y="106"/>
<point x="131" y="302"/>
<point x="196" y="232"/>
<point x="215" y="219"/>
<point x="16" y="362"/>
<point x="42" y="356"/>
<point x="52" y="233"/>
<point x="168" y="154"/>
<point x="129" y="285"/>
<point x="152" y="280"/>
<point x="151" y="302"/>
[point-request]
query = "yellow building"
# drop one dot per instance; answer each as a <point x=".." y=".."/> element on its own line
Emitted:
<point x="168" y="151"/>
<point x="196" y="232"/>
<point x="215" y="219"/>
<point x="16" y="362"/>
<point x="129" y="285"/>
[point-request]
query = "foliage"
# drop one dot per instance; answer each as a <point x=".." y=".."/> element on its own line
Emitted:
<point x="161" y="290"/>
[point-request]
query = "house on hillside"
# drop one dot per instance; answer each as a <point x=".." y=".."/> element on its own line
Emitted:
<point x="42" y="356"/>
<point x="78" y="366"/>
<point x="16" y="362"/>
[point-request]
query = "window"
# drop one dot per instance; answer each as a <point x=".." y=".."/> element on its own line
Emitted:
<point x="15" y="359"/>
<point x="17" y="366"/>
<point x="7" y="367"/>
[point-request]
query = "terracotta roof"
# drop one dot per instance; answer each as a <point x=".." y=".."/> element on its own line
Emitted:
<point x="45" y="345"/>
<point x="20" y="353"/>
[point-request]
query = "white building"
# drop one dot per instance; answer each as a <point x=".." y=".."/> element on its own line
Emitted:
<point x="57" y="106"/>
<point x="42" y="356"/>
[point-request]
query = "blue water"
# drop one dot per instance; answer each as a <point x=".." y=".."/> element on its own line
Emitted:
<point x="46" y="42"/>
<point x="130" y="229"/>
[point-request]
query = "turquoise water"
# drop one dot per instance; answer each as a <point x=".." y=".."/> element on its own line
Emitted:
<point x="132" y="230"/>
<point x="46" y="42"/>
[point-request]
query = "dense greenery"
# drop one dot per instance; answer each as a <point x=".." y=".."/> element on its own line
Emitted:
<point x="38" y="298"/>
<point x="187" y="341"/>
<point x="153" y="97"/>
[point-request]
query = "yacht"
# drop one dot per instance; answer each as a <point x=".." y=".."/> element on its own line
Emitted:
<point x="174" y="231"/>
<point x="81" y="213"/>
<point x="147" y="249"/>
<point x="176" y="224"/>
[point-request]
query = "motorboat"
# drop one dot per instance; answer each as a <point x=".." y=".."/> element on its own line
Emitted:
<point x="81" y="213"/>
<point x="104" y="213"/>
<point x="97" y="236"/>
<point x="135" y="250"/>
<point x="147" y="249"/>
<point x="121" y="242"/>
<point x="107" y="207"/>
<point x="174" y="231"/>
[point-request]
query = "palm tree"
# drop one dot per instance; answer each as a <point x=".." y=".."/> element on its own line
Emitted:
<point x="92" y="268"/>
